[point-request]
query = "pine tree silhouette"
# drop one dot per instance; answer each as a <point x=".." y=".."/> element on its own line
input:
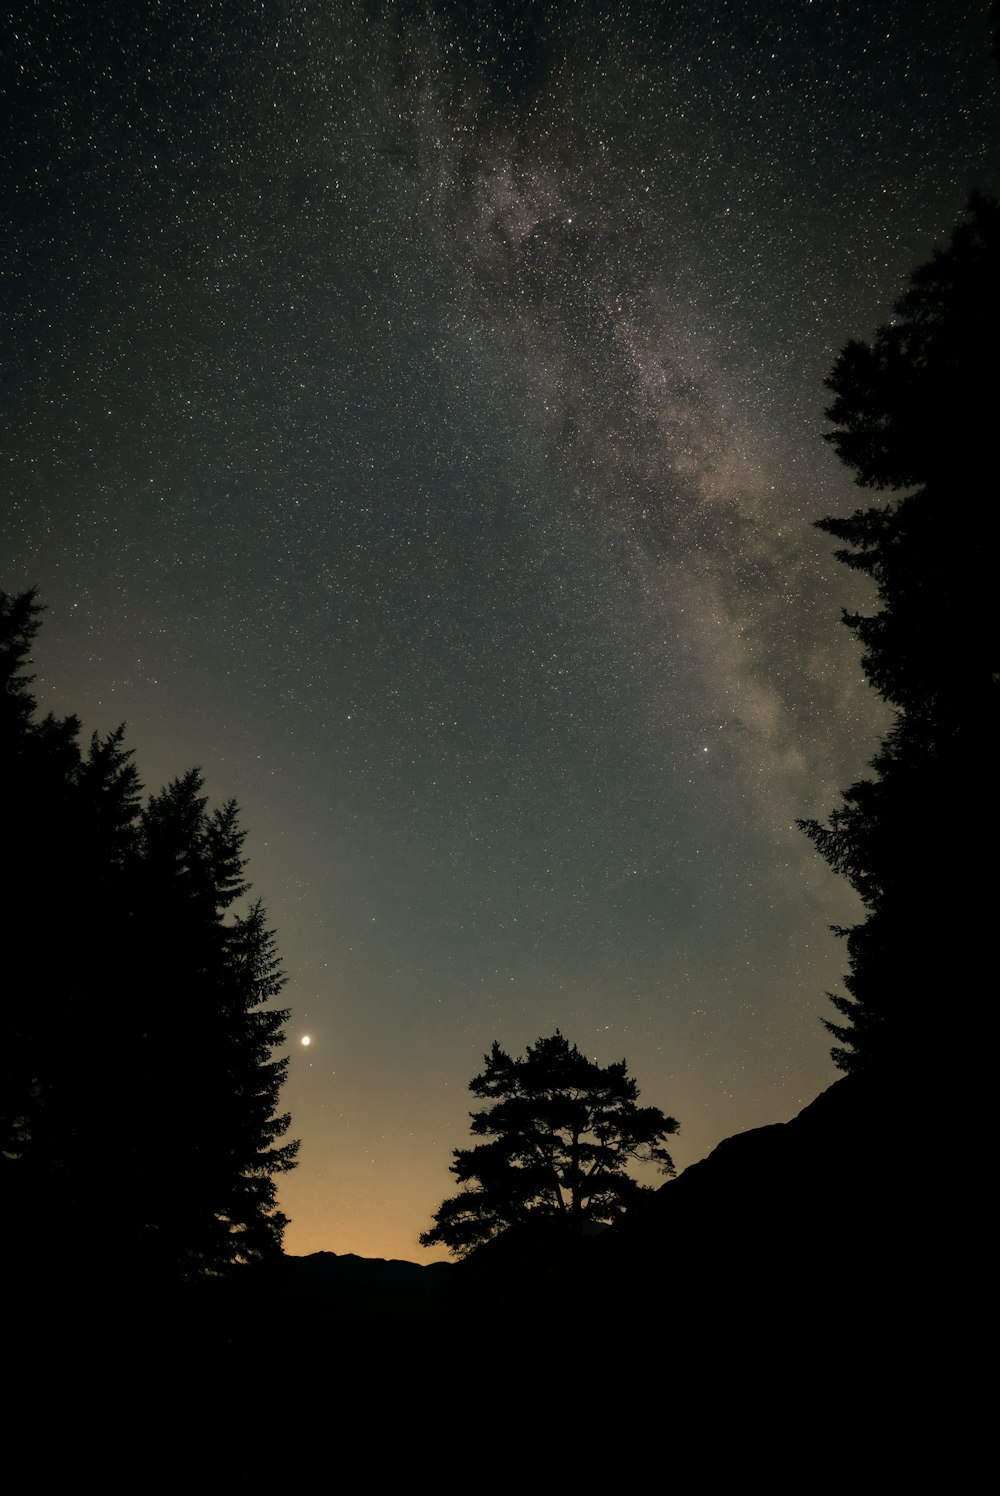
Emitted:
<point x="915" y="413"/>
<point x="140" y="1120"/>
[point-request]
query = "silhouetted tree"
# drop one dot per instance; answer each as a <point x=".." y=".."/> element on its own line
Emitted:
<point x="140" y="1089"/>
<point x="563" y="1131"/>
<point x="916" y="412"/>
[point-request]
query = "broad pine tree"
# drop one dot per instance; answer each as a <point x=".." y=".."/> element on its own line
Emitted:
<point x="562" y="1132"/>
<point x="914" y="412"/>
<point x="141" y="1088"/>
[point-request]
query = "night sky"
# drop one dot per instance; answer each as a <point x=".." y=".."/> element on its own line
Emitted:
<point x="415" y="421"/>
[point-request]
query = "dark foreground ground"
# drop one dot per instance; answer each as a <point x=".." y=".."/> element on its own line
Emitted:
<point x="801" y="1300"/>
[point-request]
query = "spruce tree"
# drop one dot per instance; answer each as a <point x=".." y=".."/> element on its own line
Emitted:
<point x="141" y="1121"/>
<point x="914" y="413"/>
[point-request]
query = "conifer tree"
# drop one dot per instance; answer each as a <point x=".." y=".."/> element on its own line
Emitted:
<point x="562" y="1133"/>
<point x="141" y="1087"/>
<point x="915" y="412"/>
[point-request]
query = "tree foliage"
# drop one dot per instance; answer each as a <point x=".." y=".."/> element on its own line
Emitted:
<point x="561" y="1132"/>
<point x="914" y="413"/>
<point x="138" y="1033"/>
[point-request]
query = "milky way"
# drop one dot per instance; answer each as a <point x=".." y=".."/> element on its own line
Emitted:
<point x="415" y="420"/>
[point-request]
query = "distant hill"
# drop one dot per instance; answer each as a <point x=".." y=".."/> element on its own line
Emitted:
<point x="347" y="1289"/>
<point x="783" y="1235"/>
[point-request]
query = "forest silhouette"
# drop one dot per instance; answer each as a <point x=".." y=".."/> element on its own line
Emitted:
<point x="913" y="413"/>
<point x="141" y="1135"/>
<point x="140" y="1031"/>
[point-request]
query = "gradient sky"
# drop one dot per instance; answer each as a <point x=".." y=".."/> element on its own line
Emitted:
<point x="415" y="421"/>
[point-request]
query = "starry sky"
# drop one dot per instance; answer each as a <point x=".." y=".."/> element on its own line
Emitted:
<point x="412" y="415"/>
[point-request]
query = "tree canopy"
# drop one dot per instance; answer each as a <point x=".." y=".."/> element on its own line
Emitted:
<point x="562" y="1131"/>
<point x="140" y="1119"/>
<point x="914" y="413"/>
